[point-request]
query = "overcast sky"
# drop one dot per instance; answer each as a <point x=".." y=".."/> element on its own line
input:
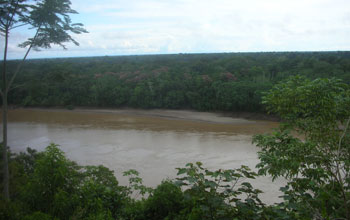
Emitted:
<point x="125" y="27"/>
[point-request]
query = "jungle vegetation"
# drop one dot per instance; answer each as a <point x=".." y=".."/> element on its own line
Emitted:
<point x="205" y="82"/>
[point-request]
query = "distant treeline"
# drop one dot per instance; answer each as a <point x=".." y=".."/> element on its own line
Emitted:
<point x="207" y="82"/>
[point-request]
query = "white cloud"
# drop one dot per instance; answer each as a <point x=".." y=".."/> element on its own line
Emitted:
<point x="174" y="26"/>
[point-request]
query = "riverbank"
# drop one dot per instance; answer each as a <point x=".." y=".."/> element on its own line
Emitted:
<point x="188" y="115"/>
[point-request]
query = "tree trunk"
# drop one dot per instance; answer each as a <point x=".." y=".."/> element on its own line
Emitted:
<point x="4" y="144"/>
<point x="4" y="91"/>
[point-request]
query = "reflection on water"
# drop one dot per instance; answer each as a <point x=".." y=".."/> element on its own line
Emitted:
<point x="154" y="146"/>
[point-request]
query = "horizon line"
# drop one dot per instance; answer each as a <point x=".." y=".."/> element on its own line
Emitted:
<point x="183" y="53"/>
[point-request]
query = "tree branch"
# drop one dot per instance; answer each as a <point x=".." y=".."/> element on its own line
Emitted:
<point x="3" y="90"/>
<point x="19" y="26"/>
<point x="13" y="15"/>
<point x="17" y="86"/>
<point x="342" y="136"/>
<point x="21" y="63"/>
<point x="2" y="23"/>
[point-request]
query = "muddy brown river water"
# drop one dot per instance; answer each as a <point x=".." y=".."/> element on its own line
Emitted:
<point x="153" y="142"/>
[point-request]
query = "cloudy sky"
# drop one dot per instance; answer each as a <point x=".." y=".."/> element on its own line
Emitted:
<point x="125" y="27"/>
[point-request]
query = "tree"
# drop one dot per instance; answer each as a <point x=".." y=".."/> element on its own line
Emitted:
<point x="52" y="25"/>
<point x="312" y="146"/>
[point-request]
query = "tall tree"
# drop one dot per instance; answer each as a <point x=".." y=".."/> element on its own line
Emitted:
<point x="52" y="25"/>
<point x="312" y="147"/>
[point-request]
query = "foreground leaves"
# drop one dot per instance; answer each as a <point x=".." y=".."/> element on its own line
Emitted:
<point x="50" y="186"/>
<point x="312" y="146"/>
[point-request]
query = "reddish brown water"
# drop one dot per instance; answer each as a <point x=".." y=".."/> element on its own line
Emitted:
<point x="152" y="142"/>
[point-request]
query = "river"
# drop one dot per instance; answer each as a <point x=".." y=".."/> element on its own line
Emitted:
<point x="154" y="142"/>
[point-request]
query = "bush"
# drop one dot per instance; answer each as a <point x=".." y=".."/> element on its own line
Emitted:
<point x="165" y="202"/>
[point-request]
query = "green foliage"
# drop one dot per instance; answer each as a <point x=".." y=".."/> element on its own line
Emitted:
<point x="166" y="202"/>
<point x="219" y="194"/>
<point x="38" y="216"/>
<point x="99" y="194"/>
<point x="135" y="184"/>
<point x="50" y="187"/>
<point x="312" y="146"/>
<point x="48" y="184"/>
<point x="50" y="19"/>
<point x="11" y="210"/>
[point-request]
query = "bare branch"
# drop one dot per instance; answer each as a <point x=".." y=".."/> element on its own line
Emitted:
<point x="342" y="136"/>
<point x="18" y="26"/>
<point x="17" y="86"/>
<point x="3" y="24"/>
<point x="21" y="63"/>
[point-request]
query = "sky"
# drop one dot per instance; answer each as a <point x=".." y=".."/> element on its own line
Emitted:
<point x="135" y="27"/>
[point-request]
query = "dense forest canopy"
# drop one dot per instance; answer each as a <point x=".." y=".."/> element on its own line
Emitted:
<point x="207" y="82"/>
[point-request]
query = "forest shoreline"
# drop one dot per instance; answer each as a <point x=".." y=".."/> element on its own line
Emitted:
<point x="218" y="117"/>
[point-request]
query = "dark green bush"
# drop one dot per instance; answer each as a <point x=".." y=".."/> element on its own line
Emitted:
<point x="166" y="202"/>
